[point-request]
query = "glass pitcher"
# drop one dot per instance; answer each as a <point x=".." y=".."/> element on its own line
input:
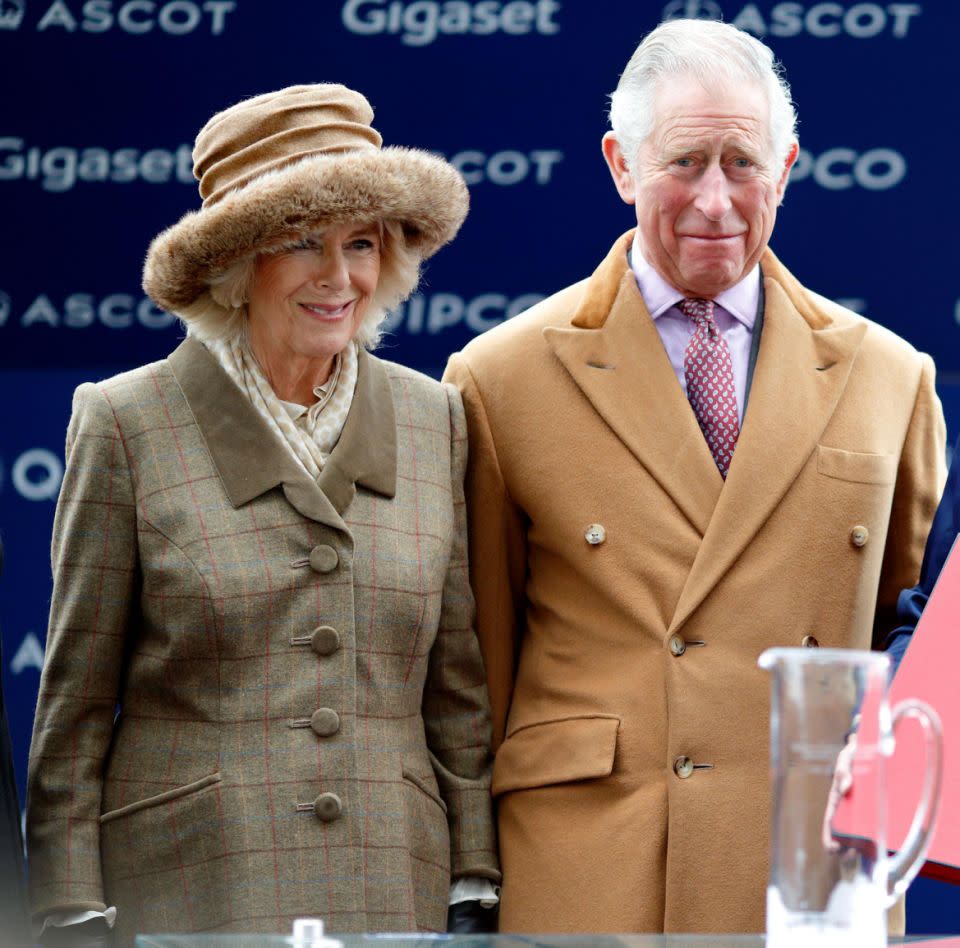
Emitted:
<point x="831" y="732"/>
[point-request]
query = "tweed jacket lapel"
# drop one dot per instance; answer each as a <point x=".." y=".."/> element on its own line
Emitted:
<point x="801" y="373"/>
<point x="367" y="450"/>
<point x="250" y="458"/>
<point x="614" y="354"/>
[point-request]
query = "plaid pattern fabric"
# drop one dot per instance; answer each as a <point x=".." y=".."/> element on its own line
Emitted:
<point x="193" y="560"/>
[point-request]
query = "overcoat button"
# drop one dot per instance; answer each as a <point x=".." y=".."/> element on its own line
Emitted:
<point x="328" y="807"/>
<point x="325" y="722"/>
<point x="859" y="535"/>
<point x="325" y="640"/>
<point x="810" y="641"/>
<point x="595" y="534"/>
<point x="323" y="559"/>
<point x="683" y="767"/>
<point x="677" y="645"/>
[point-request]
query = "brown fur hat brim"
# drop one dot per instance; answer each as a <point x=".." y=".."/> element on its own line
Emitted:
<point x="420" y="191"/>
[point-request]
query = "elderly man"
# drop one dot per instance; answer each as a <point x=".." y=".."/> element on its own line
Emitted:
<point x="676" y="463"/>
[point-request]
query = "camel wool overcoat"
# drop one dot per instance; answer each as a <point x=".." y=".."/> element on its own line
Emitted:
<point x="262" y="697"/>
<point x="625" y="591"/>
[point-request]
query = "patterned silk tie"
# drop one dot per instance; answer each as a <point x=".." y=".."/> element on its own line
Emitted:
<point x="710" y="389"/>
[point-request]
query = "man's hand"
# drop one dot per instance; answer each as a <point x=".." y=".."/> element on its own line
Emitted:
<point x="468" y="918"/>
<point x="839" y="788"/>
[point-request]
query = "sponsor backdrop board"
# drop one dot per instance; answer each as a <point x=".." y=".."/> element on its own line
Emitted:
<point x="102" y="99"/>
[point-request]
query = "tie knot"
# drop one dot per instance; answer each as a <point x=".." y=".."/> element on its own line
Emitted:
<point x="699" y="311"/>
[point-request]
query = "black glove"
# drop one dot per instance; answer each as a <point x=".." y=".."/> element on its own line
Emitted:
<point x="469" y="918"/>
<point x="92" y="934"/>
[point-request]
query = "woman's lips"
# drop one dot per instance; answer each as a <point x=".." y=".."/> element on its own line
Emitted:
<point x="327" y="310"/>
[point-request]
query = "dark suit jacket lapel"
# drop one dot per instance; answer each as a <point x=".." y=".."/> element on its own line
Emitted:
<point x="250" y="458"/>
<point x="754" y="345"/>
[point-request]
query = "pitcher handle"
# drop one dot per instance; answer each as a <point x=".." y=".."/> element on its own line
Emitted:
<point x="906" y="864"/>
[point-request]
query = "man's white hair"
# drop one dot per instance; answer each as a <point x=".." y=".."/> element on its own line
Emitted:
<point x="709" y="52"/>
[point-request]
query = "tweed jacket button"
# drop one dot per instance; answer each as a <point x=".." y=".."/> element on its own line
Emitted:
<point x="325" y="640"/>
<point x="595" y="534"/>
<point x="677" y="645"/>
<point x="323" y="559"/>
<point x="859" y="535"/>
<point x="810" y="641"/>
<point x="683" y="767"/>
<point x="325" y="722"/>
<point x="328" y="807"/>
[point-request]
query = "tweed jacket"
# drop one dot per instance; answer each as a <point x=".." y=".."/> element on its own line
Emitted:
<point x="262" y="697"/>
<point x="629" y="715"/>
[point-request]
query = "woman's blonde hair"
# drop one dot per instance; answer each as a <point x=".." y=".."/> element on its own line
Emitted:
<point x="220" y="313"/>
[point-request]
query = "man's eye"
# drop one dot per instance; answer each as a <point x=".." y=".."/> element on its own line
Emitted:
<point x="684" y="162"/>
<point x="742" y="163"/>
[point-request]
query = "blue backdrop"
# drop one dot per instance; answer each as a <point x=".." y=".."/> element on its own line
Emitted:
<point x="101" y="100"/>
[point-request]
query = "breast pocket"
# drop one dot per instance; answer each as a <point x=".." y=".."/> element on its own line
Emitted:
<point x="855" y="466"/>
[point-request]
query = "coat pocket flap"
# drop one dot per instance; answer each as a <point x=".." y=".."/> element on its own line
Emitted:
<point x="857" y="467"/>
<point x="423" y="785"/>
<point x="176" y="793"/>
<point x="558" y="751"/>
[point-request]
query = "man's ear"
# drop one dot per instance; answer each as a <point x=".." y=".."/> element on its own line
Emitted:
<point x="787" y="165"/>
<point x="617" y="163"/>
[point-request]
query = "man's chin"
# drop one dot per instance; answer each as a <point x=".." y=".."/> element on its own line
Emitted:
<point x="709" y="282"/>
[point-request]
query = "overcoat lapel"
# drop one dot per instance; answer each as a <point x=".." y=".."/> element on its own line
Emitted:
<point x="251" y="460"/>
<point x="613" y="352"/>
<point x="802" y="370"/>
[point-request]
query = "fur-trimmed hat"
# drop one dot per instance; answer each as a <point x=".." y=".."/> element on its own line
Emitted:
<point x="281" y="166"/>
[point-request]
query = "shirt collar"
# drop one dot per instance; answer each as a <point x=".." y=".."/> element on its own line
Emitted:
<point x="741" y="300"/>
<point x="293" y="409"/>
<point x="322" y="393"/>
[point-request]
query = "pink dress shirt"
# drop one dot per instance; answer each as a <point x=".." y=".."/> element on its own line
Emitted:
<point x="735" y="311"/>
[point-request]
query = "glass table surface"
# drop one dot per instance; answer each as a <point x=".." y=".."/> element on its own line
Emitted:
<point x="499" y="941"/>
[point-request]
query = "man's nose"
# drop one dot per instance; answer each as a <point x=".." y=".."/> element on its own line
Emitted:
<point x="713" y="194"/>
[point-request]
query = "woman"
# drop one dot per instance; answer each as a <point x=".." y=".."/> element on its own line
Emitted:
<point x="262" y="696"/>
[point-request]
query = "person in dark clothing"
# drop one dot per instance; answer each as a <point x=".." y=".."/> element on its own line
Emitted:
<point x="943" y="532"/>
<point x="12" y="903"/>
